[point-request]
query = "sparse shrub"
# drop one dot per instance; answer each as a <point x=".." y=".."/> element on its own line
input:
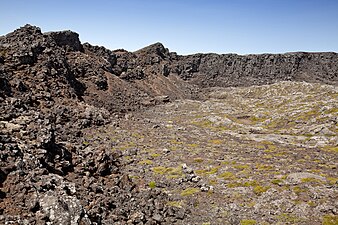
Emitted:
<point x="145" y="162"/>
<point x="172" y="172"/>
<point x="276" y="181"/>
<point x="330" y="220"/>
<point x="176" y="204"/>
<point x="264" y="167"/>
<point x="298" y="190"/>
<point x="241" y="166"/>
<point x="194" y="145"/>
<point x="311" y="203"/>
<point x="258" y="190"/>
<point x="310" y="180"/>
<point x="159" y="170"/>
<point x="332" y="180"/>
<point x="248" y="222"/>
<point x="213" y="182"/>
<point x="227" y="175"/>
<point x="330" y="148"/>
<point x="154" y="155"/>
<point x="212" y="170"/>
<point x="198" y="160"/>
<point x="190" y="191"/>
<point x="208" y="171"/>
<point x="216" y="142"/>
<point x="152" y="184"/>
<point x="289" y="218"/>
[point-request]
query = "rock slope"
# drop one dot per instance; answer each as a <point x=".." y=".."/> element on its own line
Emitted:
<point x="59" y="97"/>
<point x="51" y="87"/>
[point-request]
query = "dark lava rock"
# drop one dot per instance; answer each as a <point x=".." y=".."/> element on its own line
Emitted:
<point x="210" y="70"/>
<point x="68" y="39"/>
<point x="52" y="87"/>
<point x="47" y="175"/>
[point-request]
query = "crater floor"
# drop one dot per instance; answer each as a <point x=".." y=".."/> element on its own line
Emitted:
<point x="254" y="155"/>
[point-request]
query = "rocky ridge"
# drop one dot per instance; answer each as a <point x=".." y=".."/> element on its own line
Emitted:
<point x="53" y="89"/>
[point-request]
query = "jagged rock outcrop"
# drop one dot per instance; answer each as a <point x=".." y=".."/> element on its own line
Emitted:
<point x="226" y="70"/>
<point x="52" y="87"/>
<point x="68" y="39"/>
<point x="49" y="88"/>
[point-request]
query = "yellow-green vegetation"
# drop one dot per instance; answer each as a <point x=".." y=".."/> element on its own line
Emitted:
<point x="298" y="190"/>
<point x="263" y="167"/>
<point x="311" y="180"/>
<point x="213" y="182"/>
<point x="248" y="222"/>
<point x="177" y="204"/>
<point x="127" y="145"/>
<point x="329" y="148"/>
<point x="331" y="111"/>
<point x="152" y="184"/>
<point x="145" y="162"/>
<point x="288" y="218"/>
<point x="228" y="162"/>
<point x="332" y="180"/>
<point x="209" y="171"/>
<point x="189" y="191"/>
<point x="216" y="142"/>
<point x="307" y="115"/>
<point x="227" y="176"/>
<point x="154" y="155"/>
<point x="241" y="166"/>
<point x="258" y="190"/>
<point x="176" y="142"/>
<point x="312" y="204"/>
<point x="267" y="156"/>
<point x="198" y="160"/>
<point x="203" y="123"/>
<point x="251" y="204"/>
<point x="330" y="220"/>
<point x="279" y="154"/>
<point x="266" y="143"/>
<point x="127" y="157"/>
<point x="270" y="148"/>
<point x="194" y="145"/>
<point x="133" y="177"/>
<point x="137" y="135"/>
<point x="206" y="223"/>
<point x="159" y="170"/>
<point x="170" y="172"/>
<point x="276" y="181"/>
<point x="255" y="119"/>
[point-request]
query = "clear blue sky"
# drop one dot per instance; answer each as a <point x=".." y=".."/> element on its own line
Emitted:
<point x="186" y="26"/>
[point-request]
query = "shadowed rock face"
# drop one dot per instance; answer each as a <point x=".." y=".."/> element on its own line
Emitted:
<point x="236" y="70"/>
<point x="52" y="87"/>
<point x="66" y="39"/>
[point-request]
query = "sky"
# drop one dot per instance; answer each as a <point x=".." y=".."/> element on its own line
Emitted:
<point x="186" y="26"/>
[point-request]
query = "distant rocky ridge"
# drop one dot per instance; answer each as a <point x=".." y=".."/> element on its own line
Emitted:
<point x="52" y="87"/>
<point x="133" y="79"/>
